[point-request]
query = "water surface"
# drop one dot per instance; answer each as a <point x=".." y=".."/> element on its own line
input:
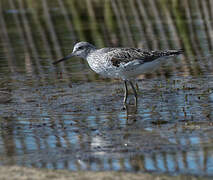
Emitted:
<point x="67" y="117"/>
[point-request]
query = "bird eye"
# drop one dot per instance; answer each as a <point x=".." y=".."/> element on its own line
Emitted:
<point x="80" y="47"/>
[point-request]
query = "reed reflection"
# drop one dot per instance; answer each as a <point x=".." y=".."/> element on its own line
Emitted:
<point x="46" y="122"/>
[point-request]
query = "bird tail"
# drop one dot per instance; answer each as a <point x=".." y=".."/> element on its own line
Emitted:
<point x="180" y="51"/>
<point x="173" y="52"/>
<point x="177" y="52"/>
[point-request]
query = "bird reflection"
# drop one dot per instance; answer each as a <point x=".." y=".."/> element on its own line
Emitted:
<point x="131" y="113"/>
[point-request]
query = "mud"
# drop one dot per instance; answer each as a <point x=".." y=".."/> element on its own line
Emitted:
<point x="84" y="127"/>
<point x="23" y="173"/>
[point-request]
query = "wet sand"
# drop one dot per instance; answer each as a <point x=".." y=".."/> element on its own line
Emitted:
<point x="23" y="173"/>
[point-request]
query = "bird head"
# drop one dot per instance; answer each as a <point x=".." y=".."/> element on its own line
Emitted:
<point x="81" y="49"/>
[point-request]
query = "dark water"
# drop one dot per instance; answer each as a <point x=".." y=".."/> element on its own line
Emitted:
<point x="67" y="117"/>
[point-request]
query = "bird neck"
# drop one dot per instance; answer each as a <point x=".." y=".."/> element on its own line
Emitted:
<point x="90" y="50"/>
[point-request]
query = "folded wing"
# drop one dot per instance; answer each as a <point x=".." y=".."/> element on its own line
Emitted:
<point x="122" y="56"/>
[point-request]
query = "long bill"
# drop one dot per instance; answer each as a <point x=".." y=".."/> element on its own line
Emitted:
<point x="63" y="59"/>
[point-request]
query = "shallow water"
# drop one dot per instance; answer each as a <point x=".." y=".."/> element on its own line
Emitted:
<point x="67" y="117"/>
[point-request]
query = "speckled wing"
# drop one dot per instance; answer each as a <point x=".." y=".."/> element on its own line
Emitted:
<point x="123" y="56"/>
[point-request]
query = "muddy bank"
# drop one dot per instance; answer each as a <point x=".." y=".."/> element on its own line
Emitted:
<point x="23" y="173"/>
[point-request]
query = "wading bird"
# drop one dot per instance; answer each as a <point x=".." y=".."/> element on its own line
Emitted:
<point x="122" y="63"/>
